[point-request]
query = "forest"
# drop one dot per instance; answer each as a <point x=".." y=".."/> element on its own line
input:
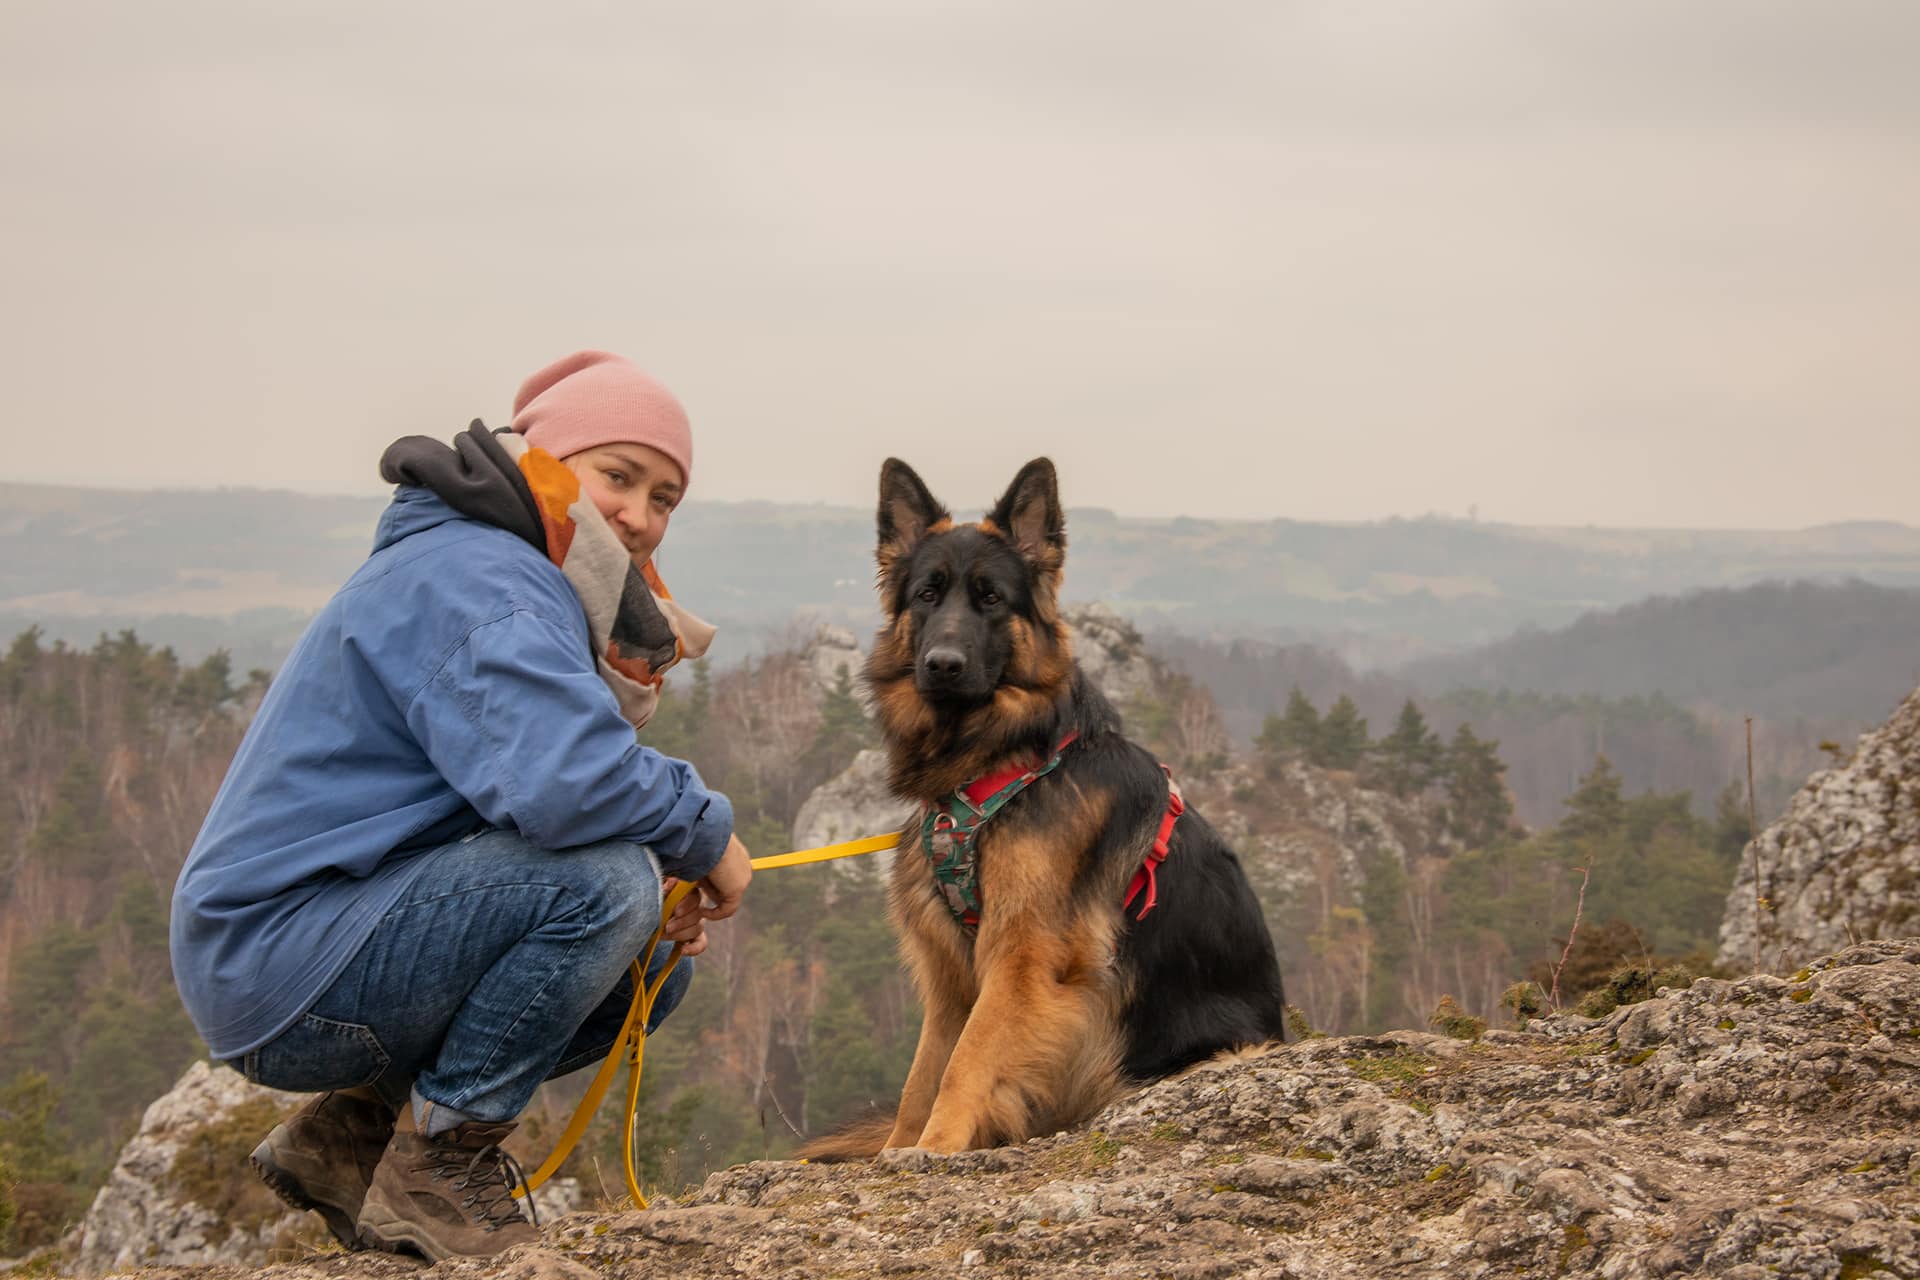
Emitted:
<point x="799" y="1017"/>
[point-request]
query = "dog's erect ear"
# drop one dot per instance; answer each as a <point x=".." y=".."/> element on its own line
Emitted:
<point x="1029" y="514"/>
<point x="907" y="512"/>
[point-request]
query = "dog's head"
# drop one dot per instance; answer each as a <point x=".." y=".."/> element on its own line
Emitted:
<point x="972" y="608"/>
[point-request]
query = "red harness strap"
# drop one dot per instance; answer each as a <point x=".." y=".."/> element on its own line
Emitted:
<point x="984" y="787"/>
<point x="1144" y="878"/>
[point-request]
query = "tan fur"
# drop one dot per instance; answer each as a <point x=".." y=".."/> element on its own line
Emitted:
<point x="1021" y="1032"/>
<point x="1037" y="666"/>
<point x="1228" y="1057"/>
<point x="855" y="1142"/>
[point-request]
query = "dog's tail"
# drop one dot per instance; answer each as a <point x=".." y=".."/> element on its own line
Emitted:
<point x="860" y="1140"/>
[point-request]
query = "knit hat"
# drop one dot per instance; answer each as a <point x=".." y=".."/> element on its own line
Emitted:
<point x="591" y="398"/>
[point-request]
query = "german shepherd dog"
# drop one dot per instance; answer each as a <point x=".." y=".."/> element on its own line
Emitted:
<point x="1061" y="999"/>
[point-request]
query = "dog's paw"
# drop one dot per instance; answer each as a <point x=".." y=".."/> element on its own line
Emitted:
<point x="910" y="1159"/>
<point x="926" y="1160"/>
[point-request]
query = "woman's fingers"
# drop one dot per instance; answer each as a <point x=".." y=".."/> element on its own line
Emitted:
<point x="686" y="924"/>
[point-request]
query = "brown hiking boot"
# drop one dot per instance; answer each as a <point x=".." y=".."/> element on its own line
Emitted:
<point x="447" y="1196"/>
<point x="322" y="1157"/>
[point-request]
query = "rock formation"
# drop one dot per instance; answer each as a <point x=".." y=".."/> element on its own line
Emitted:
<point x="1738" y="1129"/>
<point x="191" y="1148"/>
<point x="834" y="650"/>
<point x="182" y="1195"/>
<point x="1843" y="863"/>
<point x="1109" y="649"/>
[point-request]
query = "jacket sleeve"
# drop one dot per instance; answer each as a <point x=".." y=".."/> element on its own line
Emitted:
<point x="518" y="722"/>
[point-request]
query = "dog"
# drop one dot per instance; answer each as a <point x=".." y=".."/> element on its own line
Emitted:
<point x="1092" y="933"/>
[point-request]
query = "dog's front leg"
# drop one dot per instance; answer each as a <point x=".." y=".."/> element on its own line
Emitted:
<point x="937" y="953"/>
<point x="939" y="1030"/>
<point x="1032" y="1021"/>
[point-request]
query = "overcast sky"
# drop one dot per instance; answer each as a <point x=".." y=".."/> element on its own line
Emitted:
<point x="1646" y="263"/>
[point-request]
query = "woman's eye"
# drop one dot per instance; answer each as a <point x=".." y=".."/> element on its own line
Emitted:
<point x="618" y="479"/>
<point x="663" y="502"/>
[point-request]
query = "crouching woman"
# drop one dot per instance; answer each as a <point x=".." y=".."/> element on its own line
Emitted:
<point x="440" y="846"/>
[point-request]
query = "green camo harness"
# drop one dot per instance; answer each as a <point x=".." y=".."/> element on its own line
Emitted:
<point x="949" y="827"/>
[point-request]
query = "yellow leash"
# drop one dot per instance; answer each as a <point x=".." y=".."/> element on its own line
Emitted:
<point x="631" y="1043"/>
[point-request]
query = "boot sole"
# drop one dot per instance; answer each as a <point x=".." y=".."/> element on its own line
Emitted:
<point x="390" y="1233"/>
<point x="294" y="1193"/>
<point x="403" y="1241"/>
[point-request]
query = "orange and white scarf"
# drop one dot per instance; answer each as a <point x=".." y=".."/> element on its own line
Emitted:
<point x="636" y="627"/>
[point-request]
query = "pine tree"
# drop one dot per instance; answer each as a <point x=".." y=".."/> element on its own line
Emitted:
<point x="1596" y="809"/>
<point x="1732" y="821"/>
<point x="1479" y="810"/>
<point x="76" y="836"/>
<point x="1343" y="741"/>
<point x="202" y="689"/>
<point x="1292" y="735"/>
<point x="1409" y="758"/>
<point x="7" y="1180"/>
<point x="680" y="719"/>
<point x="22" y="656"/>
<point x="843" y="731"/>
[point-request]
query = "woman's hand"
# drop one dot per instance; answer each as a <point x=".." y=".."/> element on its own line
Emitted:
<point x="726" y="884"/>
<point x="714" y="898"/>
<point x="686" y="926"/>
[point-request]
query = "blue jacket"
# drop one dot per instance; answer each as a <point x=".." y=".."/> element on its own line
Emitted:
<point x="448" y="686"/>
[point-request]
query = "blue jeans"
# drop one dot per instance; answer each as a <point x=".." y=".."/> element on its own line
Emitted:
<point x="505" y="965"/>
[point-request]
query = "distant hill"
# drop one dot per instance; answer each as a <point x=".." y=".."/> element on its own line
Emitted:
<point x="1662" y="686"/>
<point x="1779" y="649"/>
<point x="78" y="561"/>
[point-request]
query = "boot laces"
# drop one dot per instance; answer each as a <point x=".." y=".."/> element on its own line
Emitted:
<point x="488" y="1176"/>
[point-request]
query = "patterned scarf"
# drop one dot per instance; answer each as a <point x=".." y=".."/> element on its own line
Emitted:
<point x="494" y="477"/>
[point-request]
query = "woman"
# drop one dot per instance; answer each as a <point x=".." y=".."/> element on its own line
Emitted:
<point x="440" y="845"/>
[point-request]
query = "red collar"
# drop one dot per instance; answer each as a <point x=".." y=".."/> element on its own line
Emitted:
<point x="988" y="784"/>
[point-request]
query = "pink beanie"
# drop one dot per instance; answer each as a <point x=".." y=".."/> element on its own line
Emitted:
<point x="591" y="398"/>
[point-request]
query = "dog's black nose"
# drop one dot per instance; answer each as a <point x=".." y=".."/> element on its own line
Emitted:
<point x="945" y="664"/>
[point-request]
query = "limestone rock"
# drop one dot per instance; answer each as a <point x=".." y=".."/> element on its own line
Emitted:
<point x="1111" y="653"/>
<point x="1322" y="834"/>
<point x="1735" y="1129"/>
<point x="834" y="650"/>
<point x="855" y="804"/>
<point x="1843" y="863"/>
<point x="154" y="1210"/>
<point x="145" y="1216"/>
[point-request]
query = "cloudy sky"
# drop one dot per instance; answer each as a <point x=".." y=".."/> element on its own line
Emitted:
<point x="1633" y="263"/>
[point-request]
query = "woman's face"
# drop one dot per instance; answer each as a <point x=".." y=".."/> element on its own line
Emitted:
<point x="636" y="487"/>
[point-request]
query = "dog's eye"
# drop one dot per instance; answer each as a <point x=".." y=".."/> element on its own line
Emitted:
<point x="930" y="595"/>
<point x="989" y="598"/>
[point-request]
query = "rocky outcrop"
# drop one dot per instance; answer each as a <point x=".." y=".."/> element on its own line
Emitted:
<point x="832" y="652"/>
<point x="1842" y="864"/>
<point x="1321" y="834"/>
<point x="1111" y="652"/>
<point x="1738" y="1129"/>
<point x="855" y="804"/>
<point x="191" y="1149"/>
<point x="182" y="1193"/>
